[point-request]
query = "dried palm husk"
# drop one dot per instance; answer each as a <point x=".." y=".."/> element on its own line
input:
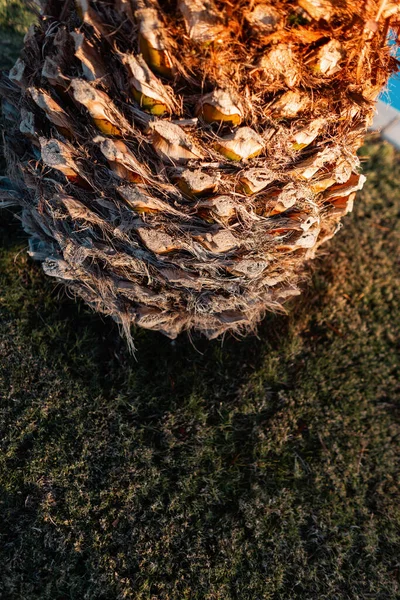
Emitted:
<point x="178" y="163"/>
<point x="93" y="66"/>
<point x="153" y="40"/>
<point x="220" y="107"/>
<point x="243" y="144"/>
<point x="147" y="89"/>
<point x="203" y="22"/>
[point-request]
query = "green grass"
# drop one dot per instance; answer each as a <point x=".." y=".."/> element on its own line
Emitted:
<point x="253" y="470"/>
<point x="14" y="20"/>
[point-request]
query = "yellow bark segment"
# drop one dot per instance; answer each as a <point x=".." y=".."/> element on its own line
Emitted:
<point x="101" y="108"/>
<point x="220" y="107"/>
<point x="152" y="42"/>
<point x="147" y="89"/>
<point x="245" y="143"/>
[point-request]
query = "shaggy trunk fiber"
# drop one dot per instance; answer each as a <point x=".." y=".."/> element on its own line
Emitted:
<point x="179" y="161"/>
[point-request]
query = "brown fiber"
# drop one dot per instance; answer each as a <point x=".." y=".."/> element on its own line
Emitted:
<point x="179" y="162"/>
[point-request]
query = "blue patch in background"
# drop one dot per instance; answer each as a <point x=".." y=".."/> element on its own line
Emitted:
<point x="392" y="94"/>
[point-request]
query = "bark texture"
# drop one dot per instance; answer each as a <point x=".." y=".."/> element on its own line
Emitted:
<point x="178" y="162"/>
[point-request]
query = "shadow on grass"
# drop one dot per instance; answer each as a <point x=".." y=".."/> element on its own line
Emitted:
<point x="71" y="334"/>
<point x="260" y="468"/>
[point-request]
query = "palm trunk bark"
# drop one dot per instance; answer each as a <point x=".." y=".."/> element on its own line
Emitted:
<point x="178" y="163"/>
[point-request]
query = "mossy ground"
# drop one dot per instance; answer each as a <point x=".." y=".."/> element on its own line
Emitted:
<point x="259" y="469"/>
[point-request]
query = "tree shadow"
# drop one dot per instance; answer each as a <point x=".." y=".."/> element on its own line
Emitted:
<point x="68" y="332"/>
<point x="193" y="463"/>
